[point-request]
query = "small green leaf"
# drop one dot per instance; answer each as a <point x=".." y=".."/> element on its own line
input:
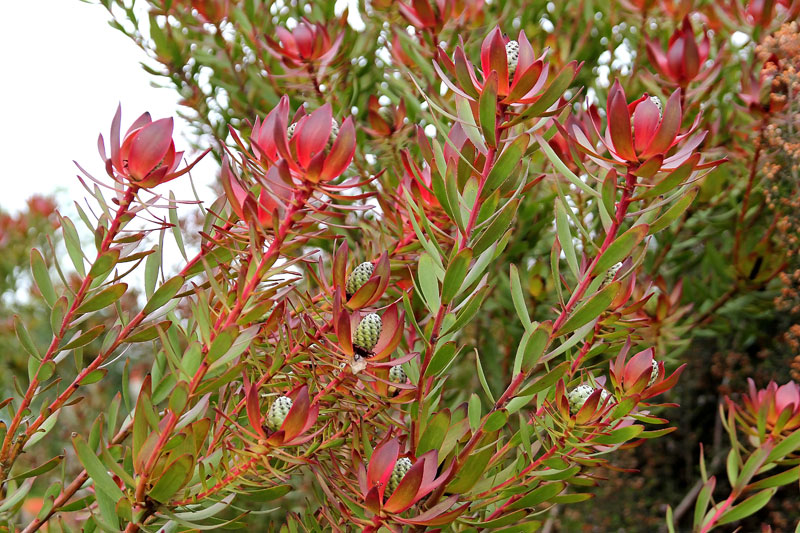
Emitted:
<point x="441" y="359"/>
<point x="179" y="397"/>
<point x="467" y="311"/>
<point x="85" y="338"/>
<point x="675" y="211"/>
<point x="173" y="478"/>
<point x="471" y="472"/>
<point x="538" y="495"/>
<point x="25" y="338"/>
<point x="518" y="298"/>
<point x="498" y="226"/>
<point x="455" y="274"/>
<point x="434" y="433"/>
<point x="42" y="277"/>
<point x="100" y="477"/>
<point x="93" y="377"/>
<point x="617" y="436"/>
<point x="565" y="238"/>
<point x="505" y="164"/>
<point x="750" y="506"/>
<point x="474" y="411"/>
<point x="58" y="313"/>
<point x="163" y="294"/>
<point x="487" y="107"/>
<point x="546" y="381"/>
<point x="673" y="179"/>
<point x="151" y="266"/>
<point x="104" y="264"/>
<point x="428" y="282"/>
<point x="39" y="470"/>
<point x="103" y="299"/>
<point x="620" y="248"/>
<point x="73" y="244"/>
<point x="590" y="310"/>
<point x="496" y="420"/>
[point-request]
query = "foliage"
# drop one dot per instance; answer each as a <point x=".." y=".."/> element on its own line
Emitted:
<point x="451" y="280"/>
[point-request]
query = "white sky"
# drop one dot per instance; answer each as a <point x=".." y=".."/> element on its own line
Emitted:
<point x="65" y="71"/>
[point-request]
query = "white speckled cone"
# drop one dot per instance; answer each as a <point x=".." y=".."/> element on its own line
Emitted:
<point x="278" y="411"/>
<point x="368" y="332"/>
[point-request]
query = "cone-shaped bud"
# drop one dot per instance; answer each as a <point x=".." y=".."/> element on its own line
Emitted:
<point x="397" y="374"/>
<point x="512" y="57"/>
<point x="278" y="411"/>
<point x="358" y="277"/>
<point x="611" y="273"/>
<point x="401" y="467"/>
<point x="653" y="373"/>
<point x="578" y="396"/>
<point x="656" y="100"/>
<point x="334" y="132"/>
<point x="368" y="332"/>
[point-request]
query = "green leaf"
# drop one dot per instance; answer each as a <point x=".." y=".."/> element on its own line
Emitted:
<point x="103" y="483"/>
<point x="546" y="381"/>
<point x="785" y="447"/>
<point x="565" y="238"/>
<point x="163" y="294"/>
<point x="498" y="226"/>
<point x="455" y="274"/>
<point x="173" y="478"/>
<point x="591" y="309"/>
<point x="617" y="436"/>
<point x="93" y="377"/>
<point x="563" y="169"/>
<point x="17" y="496"/>
<point x="103" y="299"/>
<point x="104" y="264"/>
<point x="778" y="480"/>
<point x="428" y="282"/>
<point x="538" y="495"/>
<point x="441" y="359"/>
<point x="39" y="470"/>
<point x="151" y="266"/>
<point x="672" y="180"/>
<point x="471" y="472"/>
<point x="147" y="333"/>
<point x="179" y="397"/>
<point x="750" y="506"/>
<point x="434" y="433"/>
<point x="620" y="248"/>
<point x="487" y="110"/>
<point x="73" y="244"/>
<point x="518" y="298"/>
<point x="25" y="338"/>
<point x="474" y="411"/>
<point x="505" y="164"/>
<point x="496" y="420"/>
<point x="85" y="338"/>
<point x="467" y="311"/>
<point x="482" y="377"/>
<point x="58" y="313"/>
<point x="675" y="211"/>
<point x="42" y="277"/>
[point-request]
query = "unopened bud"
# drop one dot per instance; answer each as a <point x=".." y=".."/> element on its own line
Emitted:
<point x="397" y="374"/>
<point x="610" y="274"/>
<point x="368" y="332"/>
<point x="578" y="396"/>
<point x="401" y="468"/>
<point x="278" y="411"/>
<point x="334" y="132"/>
<point x="657" y="101"/>
<point x="358" y="277"/>
<point x="653" y="373"/>
<point x="512" y="57"/>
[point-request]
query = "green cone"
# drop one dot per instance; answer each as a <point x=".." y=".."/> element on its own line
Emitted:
<point x="401" y="468"/>
<point x="397" y="374"/>
<point x="278" y="411"/>
<point x="578" y="396"/>
<point x="358" y="277"/>
<point x="512" y="57"/>
<point x="368" y="332"/>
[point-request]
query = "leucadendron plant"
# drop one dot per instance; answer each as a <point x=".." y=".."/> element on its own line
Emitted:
<point x="443" y="287"/>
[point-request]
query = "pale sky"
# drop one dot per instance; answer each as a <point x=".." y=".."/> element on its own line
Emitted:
<point x="65" y="70"/>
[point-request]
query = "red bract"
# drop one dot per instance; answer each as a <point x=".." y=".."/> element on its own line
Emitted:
<point x="418" y="482"/>
<point x="147" y="154"/>
<point x="432" y="16"/>
<point x="684" y="58"/>
<point x="638" y="136"/>
<point x="371" y="291"/>
<point x="775" y="408"/>
<point x="308" y="43"/>
<point x="635" y="377"/>
<point x="384" y="121"/>
<point x="272" y="198"/>
<point x="523" y="83"/>
<point x="309" y="154"/>
<point x="762" y="12"/>
<point x="299" y="420"/>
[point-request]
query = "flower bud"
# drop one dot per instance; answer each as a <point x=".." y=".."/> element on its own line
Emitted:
<point x="578" y="396"/>
<point x="358" y="277"/>
<point x="397" y="374"/>
<point x="653" y="373"/>
<point x="657" y="101"/>
<point x="334" y="132"/>
<point x="278" y="411"/>
<point x="401" y="467"/>
<point x="512" y="57"/>
<point x="610" y="274"/>
<point x="368" y="332"/>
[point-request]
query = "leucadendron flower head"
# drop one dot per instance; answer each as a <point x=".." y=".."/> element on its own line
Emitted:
<point x="309" y="154"/>
<point x="145" y="155"/>
<point x="639" y="136"/>
<point x="288" y="418"/>
<point x="775" y="410"/>
<point x="307" y="44"/>
<point x="641" y="376"/>
<point x="682" y="63"/>
<point x="509" y="68"/>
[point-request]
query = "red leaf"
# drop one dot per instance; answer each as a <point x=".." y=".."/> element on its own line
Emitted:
<point x="404" y="495"/>
<point x="619" y="126"/>
<point x="298" y="414"/>
<point x="645" y="122"/>
<point x="312" y="134"/>
<point x="149" y="147"/>
<point x="381" y="463"/>
<point x="342" y="152"/>
<point x="668" y="129"/>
